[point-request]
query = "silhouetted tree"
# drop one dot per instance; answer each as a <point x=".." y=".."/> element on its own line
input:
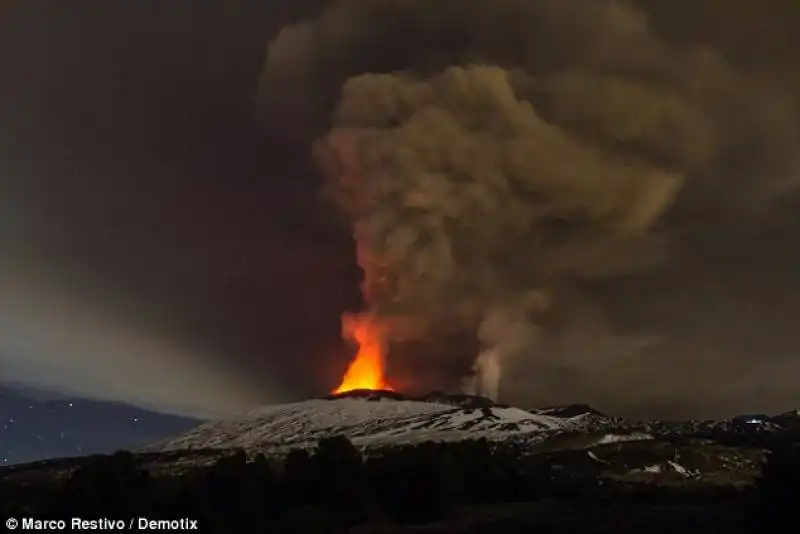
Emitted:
<point x="14" y="497"/>
<point x="238" y="495"/>
<point x="296" y="482"/>
<point x="515" y="483"/>
<point x="110" y="486"/>
<point x="340" y="478"/>
<point x="777" y="492"/>
<point x="416" y="484"/>
<point x="484" y="477"/>
<point x="308" y="520"/>
<point x="265" y="490"/>
<point x="178" y="496"/>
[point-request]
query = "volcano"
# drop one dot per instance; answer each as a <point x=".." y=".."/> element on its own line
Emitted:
<point x="373" y="419"/>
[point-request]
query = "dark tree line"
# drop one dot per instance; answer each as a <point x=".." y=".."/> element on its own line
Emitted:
<point x="333" y="488"/>
<point x="776" y="495"/>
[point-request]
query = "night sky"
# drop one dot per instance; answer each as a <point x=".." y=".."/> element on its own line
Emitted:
<point x="36" y="425"/>
<point x="160" y="246"/>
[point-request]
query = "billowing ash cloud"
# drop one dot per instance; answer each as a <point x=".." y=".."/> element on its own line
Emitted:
<point x="502" y="160"/>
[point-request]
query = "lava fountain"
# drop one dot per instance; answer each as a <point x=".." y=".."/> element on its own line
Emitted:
<point x="367" y="370"/>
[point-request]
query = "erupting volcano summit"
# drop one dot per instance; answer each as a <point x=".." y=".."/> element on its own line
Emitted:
<point x="367" y="370"/>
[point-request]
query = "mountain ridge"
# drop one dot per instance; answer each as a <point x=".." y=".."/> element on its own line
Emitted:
<point x="39" y="424"/>
<point x="574" y="445"/>
<point x="375" y="419"/>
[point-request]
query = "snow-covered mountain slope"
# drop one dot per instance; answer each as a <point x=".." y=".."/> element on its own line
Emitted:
<point x="372" y="420"/>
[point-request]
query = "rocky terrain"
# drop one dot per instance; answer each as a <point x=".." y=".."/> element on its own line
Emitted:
<point x="556" y="469"/>
<point x="380" y="418"/>
<point x="574" y="443"/>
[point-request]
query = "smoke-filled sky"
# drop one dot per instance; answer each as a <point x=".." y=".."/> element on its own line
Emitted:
<point x="619" y="179"/>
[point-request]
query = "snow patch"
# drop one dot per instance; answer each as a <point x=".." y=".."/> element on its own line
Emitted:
<point x="667" y="467"/>
<point x="594" y="457"/>
<point x="682" y="470"/>
<point x="367" y="424"/>
<point x="620" y="438"/>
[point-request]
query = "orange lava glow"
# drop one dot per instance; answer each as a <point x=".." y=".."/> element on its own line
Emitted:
<point x="367" y="369"/>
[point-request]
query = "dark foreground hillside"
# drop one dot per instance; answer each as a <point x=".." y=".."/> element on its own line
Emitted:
<point x="465" y="487"/>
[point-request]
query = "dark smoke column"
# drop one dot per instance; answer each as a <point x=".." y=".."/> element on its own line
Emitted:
<point x="466" y="205"/>
<point x="493" y="156"/>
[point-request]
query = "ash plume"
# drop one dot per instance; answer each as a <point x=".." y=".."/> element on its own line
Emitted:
<point x="499" y="161"/>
